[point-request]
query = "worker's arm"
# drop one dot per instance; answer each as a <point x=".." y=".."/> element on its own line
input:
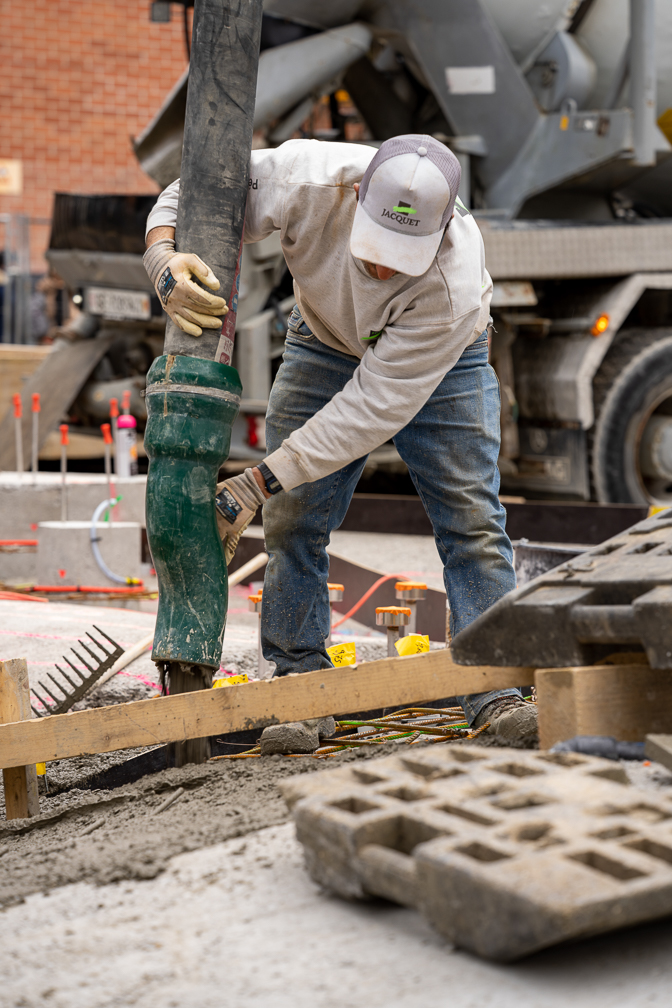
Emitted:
<point x="392" y="383"/>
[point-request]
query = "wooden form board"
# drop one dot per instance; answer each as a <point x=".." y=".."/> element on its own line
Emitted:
<point x="385" y="683"/>
<point x="625" y="701"/>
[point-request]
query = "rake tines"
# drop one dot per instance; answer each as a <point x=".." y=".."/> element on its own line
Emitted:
<point x="86" y="680"/>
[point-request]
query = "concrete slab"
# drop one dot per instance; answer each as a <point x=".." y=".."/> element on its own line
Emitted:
<point x="26" y="499"/>
<point x="240" y="923"/>
<point x="65" y="555"/>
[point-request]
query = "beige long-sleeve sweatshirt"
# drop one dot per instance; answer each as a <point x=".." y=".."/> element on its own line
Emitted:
<point x="304" y="190"/>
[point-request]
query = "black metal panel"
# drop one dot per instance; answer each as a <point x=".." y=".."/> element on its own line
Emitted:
<point x="100" y="223"/>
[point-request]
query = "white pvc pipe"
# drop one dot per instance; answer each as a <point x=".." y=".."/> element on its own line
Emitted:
<point x="102" y="566"/>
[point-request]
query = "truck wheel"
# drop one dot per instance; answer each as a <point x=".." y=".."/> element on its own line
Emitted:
<point x="632" y="437"/>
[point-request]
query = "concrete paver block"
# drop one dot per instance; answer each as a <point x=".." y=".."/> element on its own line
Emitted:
<point x="504" y="852"/>
<point x="66" y="546"/>
<point x="659" y="748"/>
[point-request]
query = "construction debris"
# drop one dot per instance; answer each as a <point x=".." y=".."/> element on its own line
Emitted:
<point x="504" y="853"/>
<point x="412" y="726"/>
<point x="616" y="593"/>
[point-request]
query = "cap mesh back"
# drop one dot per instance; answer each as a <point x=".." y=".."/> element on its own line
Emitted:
<point x="437" y="153"/>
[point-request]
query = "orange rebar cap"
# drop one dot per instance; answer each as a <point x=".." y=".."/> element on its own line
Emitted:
<point x="16" y="399"/>
<point x="335" y="587"/>
<point x="410" y="585"/>
<point x="114" y="407"/>
<point x="394" y="609"/>
<point x="64" y="433"/>
<point x="107" y="433"/>
<point x="36" y="402"/>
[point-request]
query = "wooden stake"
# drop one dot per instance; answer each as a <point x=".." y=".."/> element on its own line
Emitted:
<point x="389" y="682"/>
<point x="21" y="797"/>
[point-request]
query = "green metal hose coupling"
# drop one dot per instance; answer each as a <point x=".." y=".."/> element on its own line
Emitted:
<point x="191" y="406"/>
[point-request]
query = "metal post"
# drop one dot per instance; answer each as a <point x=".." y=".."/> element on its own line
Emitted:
<point x="107" y="439"/>
<point x="64" y="469"/>
<point x="409" y="593"/>
<point x="16" y="315"/>
<point x="335" y="595"/>
<point x="35" y="438"/>
<point x="392" y="618"/>
<point x="254" y="603"/>
<point x="114" y="413"/>
<point x="643" y="79"/>
<point x="7" y="294"/>
<point x="16" y="399"/>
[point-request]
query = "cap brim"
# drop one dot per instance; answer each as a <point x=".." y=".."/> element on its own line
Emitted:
<point x="409" y="254"/>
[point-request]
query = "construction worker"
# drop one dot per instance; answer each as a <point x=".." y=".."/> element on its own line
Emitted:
<point x="388" y="340"/>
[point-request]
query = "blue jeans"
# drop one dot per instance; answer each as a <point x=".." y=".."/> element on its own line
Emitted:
<point x="450" y="448"/>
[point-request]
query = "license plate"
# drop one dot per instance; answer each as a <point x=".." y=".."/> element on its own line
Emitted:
<point x="117" y="304"/>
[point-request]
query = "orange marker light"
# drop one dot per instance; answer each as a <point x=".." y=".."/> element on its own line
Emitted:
<point x="64" y="433"/>
<point x="36" y="402"/>
<point x="601" y="325"/>
<point x="16" y="399"/>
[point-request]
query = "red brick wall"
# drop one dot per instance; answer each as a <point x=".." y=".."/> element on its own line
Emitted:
<point x="78" y="78"/>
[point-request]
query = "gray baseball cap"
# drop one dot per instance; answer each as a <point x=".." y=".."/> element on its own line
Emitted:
<point x="406" y="199"/>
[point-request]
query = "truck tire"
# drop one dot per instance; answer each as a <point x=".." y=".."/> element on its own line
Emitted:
<point x="633" y="396"/>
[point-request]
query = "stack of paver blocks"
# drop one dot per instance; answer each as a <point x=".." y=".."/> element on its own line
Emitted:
<point x="504" y="851"/>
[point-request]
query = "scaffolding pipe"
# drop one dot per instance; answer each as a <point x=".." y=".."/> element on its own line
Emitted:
<point x="643" y="79"/>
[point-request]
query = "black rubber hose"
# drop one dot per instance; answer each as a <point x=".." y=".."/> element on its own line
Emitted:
<point x="605" y="746"/>
<point x="216" y="154"/>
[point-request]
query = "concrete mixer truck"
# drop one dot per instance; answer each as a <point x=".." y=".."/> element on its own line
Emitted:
<point x="561" y="115"/>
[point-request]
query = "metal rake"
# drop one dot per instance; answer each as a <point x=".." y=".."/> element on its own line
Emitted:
<point x="87" y="680"/>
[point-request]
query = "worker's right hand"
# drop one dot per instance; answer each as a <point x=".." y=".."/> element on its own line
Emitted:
<point x="185" y="302"/>
<point x="237" y="501"/>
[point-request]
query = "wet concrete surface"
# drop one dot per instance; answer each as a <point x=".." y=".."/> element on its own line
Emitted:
<point x="239" y="924"/>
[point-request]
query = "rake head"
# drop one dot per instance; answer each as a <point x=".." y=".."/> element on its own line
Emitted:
<point x="83" y="682"/>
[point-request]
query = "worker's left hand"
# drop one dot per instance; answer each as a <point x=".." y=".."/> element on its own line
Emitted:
<point x="237" y="501"/>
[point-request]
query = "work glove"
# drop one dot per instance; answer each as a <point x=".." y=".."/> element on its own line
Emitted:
<point x="237" y="501"/>
<point x="188" y="305"/>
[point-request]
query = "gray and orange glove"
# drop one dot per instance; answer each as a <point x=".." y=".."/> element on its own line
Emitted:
<point x="187" y="305"/>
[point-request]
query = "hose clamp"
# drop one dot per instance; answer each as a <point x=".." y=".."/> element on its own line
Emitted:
<point x="193" y="390"/>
